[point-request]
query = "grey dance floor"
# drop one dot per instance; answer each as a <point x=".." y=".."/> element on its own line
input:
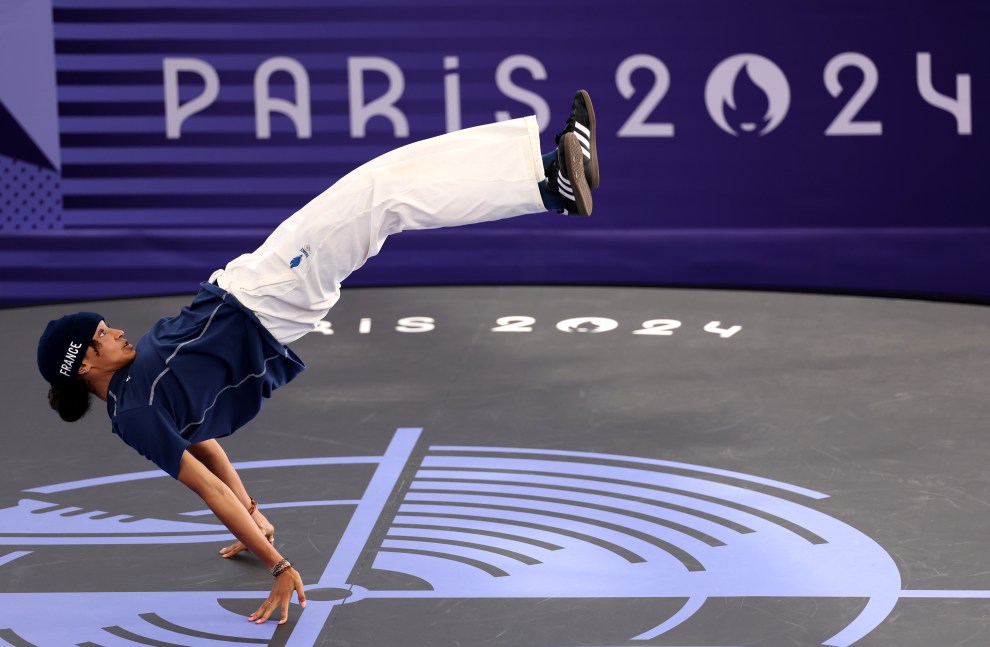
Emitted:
<point x="544" y="467"/>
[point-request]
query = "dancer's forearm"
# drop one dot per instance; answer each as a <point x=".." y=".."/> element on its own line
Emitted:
<point x="227" y="507"/>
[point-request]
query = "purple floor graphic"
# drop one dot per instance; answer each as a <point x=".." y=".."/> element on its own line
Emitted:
<point x="483" y="523"/>
<point x="539" y="467"/>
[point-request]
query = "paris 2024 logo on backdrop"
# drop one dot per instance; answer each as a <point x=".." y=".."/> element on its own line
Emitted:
<point x="747" y="94"/>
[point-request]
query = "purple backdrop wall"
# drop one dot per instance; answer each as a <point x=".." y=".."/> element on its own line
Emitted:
<point x="817" y="145"/>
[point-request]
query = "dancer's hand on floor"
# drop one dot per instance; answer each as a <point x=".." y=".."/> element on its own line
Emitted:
<point x="281" y="596"/>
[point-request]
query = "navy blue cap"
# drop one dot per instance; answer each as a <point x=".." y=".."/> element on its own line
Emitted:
<point x="63" y="345"/>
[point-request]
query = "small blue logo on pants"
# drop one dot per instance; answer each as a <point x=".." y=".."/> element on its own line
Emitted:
<point x="294" y="263"/>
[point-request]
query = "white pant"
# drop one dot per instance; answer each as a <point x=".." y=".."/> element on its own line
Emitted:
<point x="473" y="175"/>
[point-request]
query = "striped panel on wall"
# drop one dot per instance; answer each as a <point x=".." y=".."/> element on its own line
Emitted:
<point x="146" y="214"/>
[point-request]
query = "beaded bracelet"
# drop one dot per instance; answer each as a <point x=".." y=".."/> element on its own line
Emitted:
<point x="280" y="568"/>
<point x="254" y="505"/>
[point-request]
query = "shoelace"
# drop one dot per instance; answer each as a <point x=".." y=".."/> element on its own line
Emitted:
<point x="568" y="128"/>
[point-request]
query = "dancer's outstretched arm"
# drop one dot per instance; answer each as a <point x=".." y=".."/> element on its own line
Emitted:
<point x="211" y="454"/>
<point x="224" y="504"/>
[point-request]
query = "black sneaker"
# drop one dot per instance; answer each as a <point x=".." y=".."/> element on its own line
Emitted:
<point x="565" y="176"/>
<point x="582" y="124"/>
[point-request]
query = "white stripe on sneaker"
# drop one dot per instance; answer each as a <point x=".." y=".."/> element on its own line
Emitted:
<point x="564" y="187"/>
<point x="585" y="144"/>
<point x="584" y="129"/>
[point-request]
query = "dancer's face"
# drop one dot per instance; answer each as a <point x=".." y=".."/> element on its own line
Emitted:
<point x="108" y="351"/>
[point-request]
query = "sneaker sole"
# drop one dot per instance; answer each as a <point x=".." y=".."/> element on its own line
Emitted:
<point x="579" y="183"/>
<point x="591" y="165"/>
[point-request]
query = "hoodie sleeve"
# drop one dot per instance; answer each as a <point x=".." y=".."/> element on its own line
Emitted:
<point x="152" y="433"/>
